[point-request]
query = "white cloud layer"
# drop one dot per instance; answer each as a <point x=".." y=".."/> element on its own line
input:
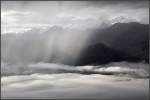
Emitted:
<point x="62" y="86"/>
<point x="136" y="70"/>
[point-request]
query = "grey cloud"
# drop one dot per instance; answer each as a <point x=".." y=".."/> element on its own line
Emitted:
<point x="74" y="4"/>
<point x="49" y="11"/>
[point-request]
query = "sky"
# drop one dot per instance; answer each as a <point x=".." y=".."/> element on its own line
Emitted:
<point x="70" y="14"/>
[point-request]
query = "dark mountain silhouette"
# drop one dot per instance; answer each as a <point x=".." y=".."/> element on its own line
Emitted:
<point x="102" y="54"/>
<point x="98" y="54"/>
<point x="119" y="42"/>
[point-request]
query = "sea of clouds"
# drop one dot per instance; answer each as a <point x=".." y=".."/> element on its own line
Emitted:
<point x="117" y="80"/>
<point x="137" y="70"/>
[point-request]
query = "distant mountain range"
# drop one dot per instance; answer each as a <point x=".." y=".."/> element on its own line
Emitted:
<point x="119" y="42"/>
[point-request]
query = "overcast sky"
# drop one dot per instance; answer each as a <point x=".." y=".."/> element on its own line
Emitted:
<point x="72" y="13"/>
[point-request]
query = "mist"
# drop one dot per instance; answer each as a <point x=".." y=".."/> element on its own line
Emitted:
<point x="53" y="44"/>
<point x="74" y="49"/>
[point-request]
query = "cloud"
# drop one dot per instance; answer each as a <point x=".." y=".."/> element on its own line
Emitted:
<point x="25" y="73"/>
<point x="62" y="86"/>
<point x="135" y="70"/>
<point x="13" y="17"/>
<point x="15" y="13"/>
<point x="74" y="14"/>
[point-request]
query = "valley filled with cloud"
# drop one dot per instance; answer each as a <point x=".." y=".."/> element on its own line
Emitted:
<point x="75" y="50"/>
